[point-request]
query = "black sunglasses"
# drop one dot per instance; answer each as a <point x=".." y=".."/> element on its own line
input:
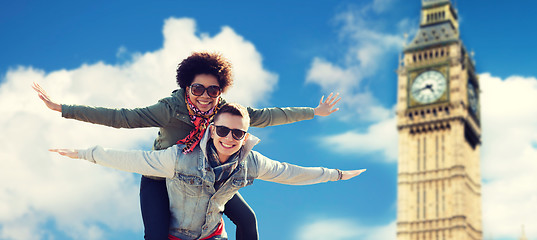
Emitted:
<point x="197" y="90"/>
<point x="223" y="131"/>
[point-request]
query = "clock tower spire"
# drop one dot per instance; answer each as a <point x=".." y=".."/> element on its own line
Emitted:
<point x="439" y="126"/>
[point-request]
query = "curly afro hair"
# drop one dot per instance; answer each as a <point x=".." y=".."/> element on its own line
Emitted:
<point x="204" y="63"/>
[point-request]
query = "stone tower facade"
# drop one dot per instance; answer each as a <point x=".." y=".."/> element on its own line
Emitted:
<point x="438" y="121"/>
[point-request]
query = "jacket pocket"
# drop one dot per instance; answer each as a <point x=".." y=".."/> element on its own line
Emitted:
<point x="240" y="183"/>
<point x="191" y="185"/>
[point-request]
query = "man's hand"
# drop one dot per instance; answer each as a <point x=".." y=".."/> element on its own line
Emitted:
<point x="45" y="98"/>
<point x="352" y="173"/>
<point x="72" y="153"/>
<point x="325" y="106"/>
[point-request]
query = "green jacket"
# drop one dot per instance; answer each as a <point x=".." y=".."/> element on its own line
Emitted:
<point x="171" y="116"/>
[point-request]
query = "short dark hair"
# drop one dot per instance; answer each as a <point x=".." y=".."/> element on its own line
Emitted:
<point x="204" y="63"/>
<point x="233" y="109"/>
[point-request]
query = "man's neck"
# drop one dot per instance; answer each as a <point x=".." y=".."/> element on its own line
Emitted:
<point x="222" y="159"/>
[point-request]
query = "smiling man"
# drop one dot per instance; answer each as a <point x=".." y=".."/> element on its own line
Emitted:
<point x="200" y="183"/>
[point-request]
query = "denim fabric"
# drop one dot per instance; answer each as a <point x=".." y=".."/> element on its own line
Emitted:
<point x="196" y="206"/>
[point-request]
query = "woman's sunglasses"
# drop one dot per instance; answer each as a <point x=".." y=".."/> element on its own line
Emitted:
<point x="197" y="90"/>
<point x="223" y="131"/>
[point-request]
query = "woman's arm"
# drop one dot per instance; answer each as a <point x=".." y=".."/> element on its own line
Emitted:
<point x="285" y="173"/>
<point x="157" y="115"/>
<point x="154" y="163"/>
<point x="278" y="116"/>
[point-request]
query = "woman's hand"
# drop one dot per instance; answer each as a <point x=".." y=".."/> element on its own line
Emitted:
<point x="346" y="175"/>
<point x="325" y="106"/>
<point x="46" y="99"/>
<point x="72" y="153"/>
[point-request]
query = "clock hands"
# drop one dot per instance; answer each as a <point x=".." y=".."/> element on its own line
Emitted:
<point x="427" y="86"/>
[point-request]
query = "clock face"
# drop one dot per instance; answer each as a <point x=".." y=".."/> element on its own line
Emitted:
<point x="428" y="87"/>
<point x="472" y="97"/>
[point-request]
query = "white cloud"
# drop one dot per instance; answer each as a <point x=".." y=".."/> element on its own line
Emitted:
<point x="380" y="137"/>
<point x="344" y="229"/>
<point x="81" y="200"/>
<point x="382" y="5"/>
<point x="509" y="155"/>
<point x="366" y="52"/>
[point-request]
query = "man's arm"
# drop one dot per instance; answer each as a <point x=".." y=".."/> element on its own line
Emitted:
<point x="285" y="173"/>
<point x="153" y="163"/>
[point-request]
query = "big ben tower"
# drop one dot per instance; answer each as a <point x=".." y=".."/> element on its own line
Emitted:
<point x="438" y="121"/>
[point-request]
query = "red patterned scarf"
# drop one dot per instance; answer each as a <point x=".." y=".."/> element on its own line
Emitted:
<point x="200" y="120"/>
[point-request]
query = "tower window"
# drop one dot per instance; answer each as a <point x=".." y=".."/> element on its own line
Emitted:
<point x="424" y="203"/>
<point x="437" y="206"/>
<point x="443" y="152"/>
<point x="424" y="153"/>
<point x="436" y="152"/>
<point x="418" y="155"/>
<point x="418" y="203"/>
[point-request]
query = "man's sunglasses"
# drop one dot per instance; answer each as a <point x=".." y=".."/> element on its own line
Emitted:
<point x="223" y="131"/>
<point x="197" y="90"/>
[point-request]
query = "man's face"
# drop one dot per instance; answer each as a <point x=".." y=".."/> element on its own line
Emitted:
<point x="204" y="102"/>
<point x="228" y="145"/>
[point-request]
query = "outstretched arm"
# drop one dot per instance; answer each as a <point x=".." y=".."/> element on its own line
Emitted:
<point x="153" y="163"/>
<point x="157" y="115"/>
<point x="285" y="173"/>
<point x="277" y="116"/>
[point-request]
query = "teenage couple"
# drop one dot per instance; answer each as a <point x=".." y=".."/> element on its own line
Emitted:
<point x="208" y="158"/>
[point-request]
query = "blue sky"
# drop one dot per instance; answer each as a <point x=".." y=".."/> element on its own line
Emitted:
<point x="285" y="53"/>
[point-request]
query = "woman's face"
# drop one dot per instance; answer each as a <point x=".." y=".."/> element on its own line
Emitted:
<point x="204" y="102"/>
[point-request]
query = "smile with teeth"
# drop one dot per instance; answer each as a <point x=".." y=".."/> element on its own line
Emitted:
<point x="204" y="102"/>
<point x="227" y="145"/>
